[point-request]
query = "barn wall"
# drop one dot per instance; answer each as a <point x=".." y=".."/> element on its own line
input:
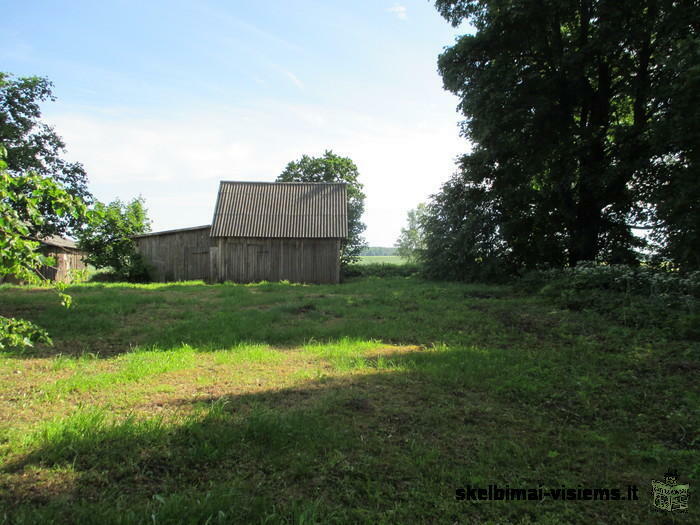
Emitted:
<point x="177" y="256"/>
<point x="254" y="259"/>
<point x="66" y="262"/>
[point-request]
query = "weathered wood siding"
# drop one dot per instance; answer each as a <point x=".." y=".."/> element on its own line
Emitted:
<point x="67" y="261"/>
<point x="177" y="256"/>
<point x="192" y="254"/>
<point x="252" y="259"/>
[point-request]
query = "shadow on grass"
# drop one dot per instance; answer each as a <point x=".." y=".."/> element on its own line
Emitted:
<point x="109" y="319"/>
<point x="341" y="449"/>
<point x="333" y="449"/>
<point x="380" y="445"/>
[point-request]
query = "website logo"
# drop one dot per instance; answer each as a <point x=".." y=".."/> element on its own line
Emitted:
<point x="669" y="495"/>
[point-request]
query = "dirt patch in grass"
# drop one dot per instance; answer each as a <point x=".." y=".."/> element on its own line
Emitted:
<point x="38" y="486"/>
<point x="258" y="307"/>
<point x="22" y="311"/>
<point x="101" y="348"/>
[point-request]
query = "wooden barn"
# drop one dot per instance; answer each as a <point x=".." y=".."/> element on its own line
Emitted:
<point x="68" y="259"/>
<point x="260" y="231"/>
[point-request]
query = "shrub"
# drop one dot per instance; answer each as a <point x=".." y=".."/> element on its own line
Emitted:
<point x="381" y="270"/>
<point x="634" y="296"/>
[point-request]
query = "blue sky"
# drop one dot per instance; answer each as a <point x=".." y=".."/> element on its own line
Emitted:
<point x="164" y="99"/>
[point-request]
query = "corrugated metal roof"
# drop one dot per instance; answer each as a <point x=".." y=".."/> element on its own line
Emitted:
<point x="281" y="209"/>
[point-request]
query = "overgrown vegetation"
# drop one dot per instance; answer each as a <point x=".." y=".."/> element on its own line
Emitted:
<point x="369" y="401"/>
<point x="381" y="269"/>
<point x="632" y="296"/>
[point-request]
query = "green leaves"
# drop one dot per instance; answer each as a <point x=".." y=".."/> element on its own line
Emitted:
<point x="583" y="121"/>
<point x="20" y="333"/>
<point x="32" y="146"/>
<point x="108" y="236"/>
<point x="22" y="199"/>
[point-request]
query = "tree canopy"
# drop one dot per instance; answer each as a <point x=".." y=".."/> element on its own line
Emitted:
<point x="108" y="237"/>
<point x="333" y="168"/>
<point x="584" y="122"/>
<point x="35" y="146"/>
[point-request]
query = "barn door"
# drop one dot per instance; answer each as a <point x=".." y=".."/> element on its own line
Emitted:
<point x="257" y="262"/>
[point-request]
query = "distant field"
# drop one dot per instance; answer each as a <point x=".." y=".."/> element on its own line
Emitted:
<point x="366" y="402"/>
<point x="382" y="259"/>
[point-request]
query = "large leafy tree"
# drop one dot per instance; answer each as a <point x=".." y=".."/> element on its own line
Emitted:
<point x="23" y="199"/>
<point x="35" y="146"/>
<point x="674" y="184"/>
<point x="575" y="110"/>
<point x="333" y="168"/>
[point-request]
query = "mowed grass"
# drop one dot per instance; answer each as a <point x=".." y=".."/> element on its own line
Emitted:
<point x="381" y="259"/>
<point x="366" y="402"/>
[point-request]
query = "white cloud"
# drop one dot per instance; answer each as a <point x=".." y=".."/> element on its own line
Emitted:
<point x="176" y="163"/>
<point x="398" y="10"/>
<point x="295" y="80"/>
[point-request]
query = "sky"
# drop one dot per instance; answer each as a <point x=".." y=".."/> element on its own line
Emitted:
<point x="165" y="99"/>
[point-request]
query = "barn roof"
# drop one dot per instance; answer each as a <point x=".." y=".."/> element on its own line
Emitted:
<point x="168" y="232"/>
<point x="57" y="240"/>
<point x="281" y="209"/>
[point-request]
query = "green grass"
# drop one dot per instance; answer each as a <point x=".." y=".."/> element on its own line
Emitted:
<point x="365" y="402"/>
<point x="382" y="259"/>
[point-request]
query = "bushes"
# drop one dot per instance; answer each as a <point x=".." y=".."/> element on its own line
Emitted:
<point x="640" y="281"/>
<point x="381" y="270"/>
<point x="634" y="296"/>
<point x="138" y="271"/>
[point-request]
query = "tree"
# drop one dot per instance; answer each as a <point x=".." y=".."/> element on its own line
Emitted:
<point x="411" y="241"/>
<point x="332" y="168"/>
<point x="461" y="235"/>
<point x="22" y="201"/>
<point x="570" y="106"/>
<point x="675" y="186"/>
<point x="35" y="146"/>
<point x="108" y="237"/>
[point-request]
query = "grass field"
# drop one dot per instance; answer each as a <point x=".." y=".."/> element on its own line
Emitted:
<point x="366" y="402"/>
<point x="381" y="259"/>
